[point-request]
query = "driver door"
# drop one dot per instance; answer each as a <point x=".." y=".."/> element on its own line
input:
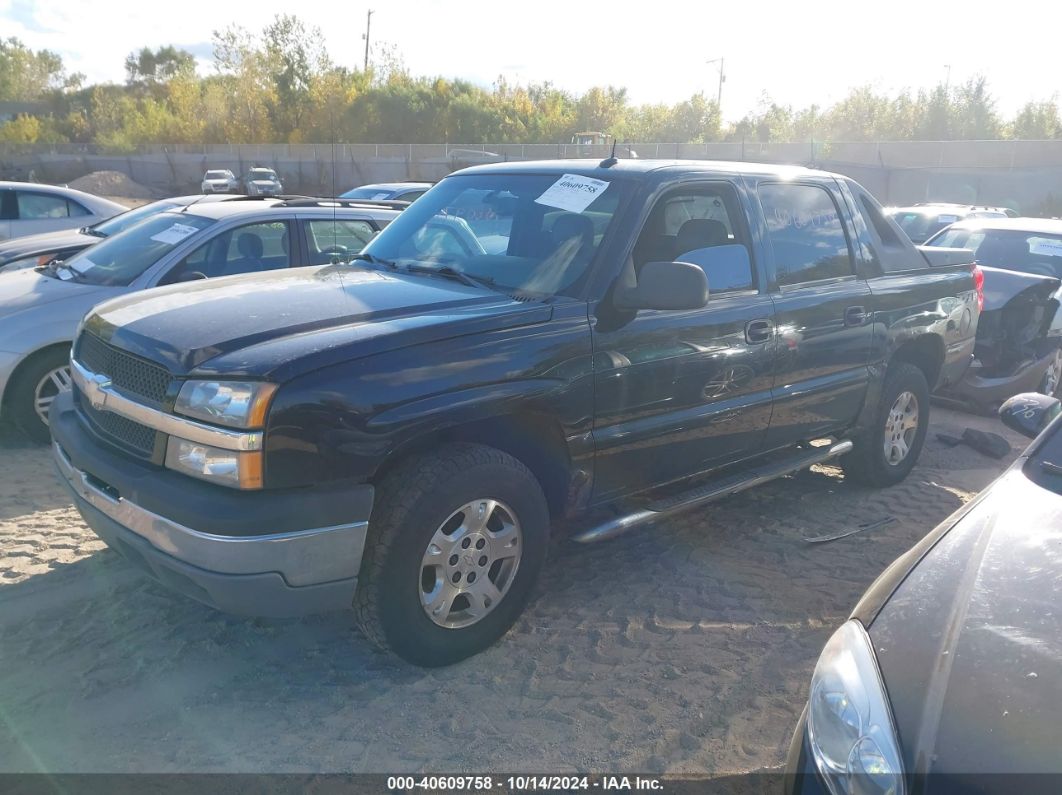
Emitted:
<point x="679" y="392"/>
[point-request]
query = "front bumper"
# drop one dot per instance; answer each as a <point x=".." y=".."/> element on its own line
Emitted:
<point x="250" y="568"/>
<point x="801" y="775"/>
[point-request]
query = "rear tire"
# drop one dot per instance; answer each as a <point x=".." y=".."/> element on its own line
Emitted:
<point x="887" y="451"/>
<point x="34" y="387"/>
<point x="426" y="594"/>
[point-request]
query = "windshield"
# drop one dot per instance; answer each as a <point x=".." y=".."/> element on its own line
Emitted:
<point x="532" y="234"/>
<point x="217" y="175"/>
<point x="921" y="225"/>
<point x="1038" y="253"/>
<point x="119" y="223"/>
<point x="121" y="258"/>
<point x="262" y="174"/>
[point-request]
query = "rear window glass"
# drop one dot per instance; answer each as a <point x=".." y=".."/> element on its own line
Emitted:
<point x="806" y="233"/>
<point x="1037" y="253"/>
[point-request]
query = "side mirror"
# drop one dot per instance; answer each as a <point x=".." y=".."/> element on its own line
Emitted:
<point x="1029" y="413"/>
<point x="665" y="285"/>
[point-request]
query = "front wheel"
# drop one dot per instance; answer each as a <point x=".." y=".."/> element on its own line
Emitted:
<point x="887" y="451"/>
<point x="33" y="389"/>
<point x="456" y="543"/>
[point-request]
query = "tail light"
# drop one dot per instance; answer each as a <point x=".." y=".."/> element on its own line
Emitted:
<point x="979" y="286"/>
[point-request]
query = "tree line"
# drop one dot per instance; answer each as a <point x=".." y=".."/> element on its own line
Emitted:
<point x="280" y="86"/>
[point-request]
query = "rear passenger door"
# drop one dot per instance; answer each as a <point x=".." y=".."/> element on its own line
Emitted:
<point x="823" y="333"/>
<point x="679" y="392"/>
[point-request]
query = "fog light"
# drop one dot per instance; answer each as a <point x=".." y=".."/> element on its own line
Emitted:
<point x="230" y="468"/>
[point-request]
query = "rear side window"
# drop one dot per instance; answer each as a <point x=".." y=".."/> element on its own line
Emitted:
<point x="806" y="233"/>
<point x="337" y="240"/>
<point x="37" y="206"/>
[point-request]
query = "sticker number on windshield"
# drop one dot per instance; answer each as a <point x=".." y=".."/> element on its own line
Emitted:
<point x="175" y="234"/>
<point x="572" y="192"/>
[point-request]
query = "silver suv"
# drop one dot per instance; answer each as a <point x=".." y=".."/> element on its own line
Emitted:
<point x="40" y="309"/>
<point x="220" y="181"/>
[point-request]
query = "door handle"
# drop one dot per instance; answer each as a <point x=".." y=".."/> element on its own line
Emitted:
<point x="758" y="331"/>
<point x="855" y="316"/>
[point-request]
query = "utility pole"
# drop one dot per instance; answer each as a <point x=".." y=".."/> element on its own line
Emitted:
<point x="368" y="25"/>
<point x="722" y="79"/>
<point x="947" y="79"/>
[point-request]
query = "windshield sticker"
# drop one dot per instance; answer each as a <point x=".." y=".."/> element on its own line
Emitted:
<point x="80" y="265"/>
<point x="65" y="274"/>
<point x="175" y="234"/>
<point x="947" y="219"/>
<point x="1043" y="247"/>
<point x="572" y="193"/>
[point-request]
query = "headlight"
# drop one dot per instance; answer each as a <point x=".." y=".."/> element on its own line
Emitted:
<point x="224" y="467"/>
<point x="850" y="728"/>
<point x="237" y="404"/>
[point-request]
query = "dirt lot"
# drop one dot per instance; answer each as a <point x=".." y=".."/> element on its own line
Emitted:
<point x="685" y="648"/>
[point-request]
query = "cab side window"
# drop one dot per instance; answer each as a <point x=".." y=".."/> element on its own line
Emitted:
<point x="337" y="240"/>
<point x="805" y="231"/>
<point x="687" y="224"/>
<point x="36" y="206"/>
<point x="251" y="248"/>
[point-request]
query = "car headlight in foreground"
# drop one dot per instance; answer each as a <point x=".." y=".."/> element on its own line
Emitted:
<point x="237" y="404"/>
<point x="850" y="728"/>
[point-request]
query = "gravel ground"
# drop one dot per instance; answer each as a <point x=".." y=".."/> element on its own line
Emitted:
<point x="682" y="648"/>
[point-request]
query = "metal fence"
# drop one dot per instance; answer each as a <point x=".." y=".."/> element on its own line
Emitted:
<point x="1024" y="174"/>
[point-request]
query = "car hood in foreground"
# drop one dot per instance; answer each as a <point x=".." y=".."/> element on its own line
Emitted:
<point x="970" y="644"/>
<point x="43" y="243"/>
<point x="286" y="322"/>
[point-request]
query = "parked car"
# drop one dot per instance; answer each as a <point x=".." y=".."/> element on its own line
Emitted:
<point x="922" y="221"/>
<point x="947" y="676"/>
<point x="389" y="191"/>
<point x="399" y="434"/>
<point x="220" y="181"/>
<point x="40" y="308"/>
<point x="36" y="250"/>
<point x="260" y="181"/>
<point x="1019" y="338"/>
<point x="30" y="208"/>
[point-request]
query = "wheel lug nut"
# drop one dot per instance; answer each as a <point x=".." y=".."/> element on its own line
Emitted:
<point x="466" y="543"/>
<point x="480" y="544"/>
<point x="456" y="578"/>
<point x="453" y="560"/>
<point x="471" y="576"/>
<point x="483" y="560"/>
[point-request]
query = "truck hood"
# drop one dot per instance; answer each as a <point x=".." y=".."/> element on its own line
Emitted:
<point x="24" y="289"/>
<point x="280" y="324"/>
<point x="970" y="645"/>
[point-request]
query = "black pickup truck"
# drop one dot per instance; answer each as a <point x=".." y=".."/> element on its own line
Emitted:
<point x="525" y="343"/>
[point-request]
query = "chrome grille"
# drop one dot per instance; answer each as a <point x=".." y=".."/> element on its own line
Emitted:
<point x="139" y="439"/>
<point x="131" y="374"/>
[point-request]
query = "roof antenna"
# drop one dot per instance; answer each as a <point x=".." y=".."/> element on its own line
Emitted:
<point x="611" y="159"/>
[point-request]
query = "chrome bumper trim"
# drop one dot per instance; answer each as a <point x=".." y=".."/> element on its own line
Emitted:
<point x="98" y="391"/>
<point x="304" y="557"/>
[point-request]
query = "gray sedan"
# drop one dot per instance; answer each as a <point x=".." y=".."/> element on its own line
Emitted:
<point x="27" y="208"/>
<point x="41" y="308"/>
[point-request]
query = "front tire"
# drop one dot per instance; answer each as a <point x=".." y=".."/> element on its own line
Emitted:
<point x="456" y="543"/>
<point x="887" y="451"/>
<point x="33" y="389"/>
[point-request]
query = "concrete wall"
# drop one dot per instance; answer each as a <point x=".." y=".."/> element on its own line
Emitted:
<point x="1023" y="174"/>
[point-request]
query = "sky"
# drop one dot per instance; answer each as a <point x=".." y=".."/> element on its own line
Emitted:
<point x="798" y="53"/>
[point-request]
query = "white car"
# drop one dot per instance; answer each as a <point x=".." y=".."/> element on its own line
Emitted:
<point x="27" y="208"/>
<point x="220" y="181"/>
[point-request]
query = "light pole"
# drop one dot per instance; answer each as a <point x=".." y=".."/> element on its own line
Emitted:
<point x="368" y="25"/>
<point x="947" y="78"/>
<point x="722" y="79"/>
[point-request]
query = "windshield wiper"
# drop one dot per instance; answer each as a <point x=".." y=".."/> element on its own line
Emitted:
<point x="450" y="272"/>
<point x="374" y="260"/>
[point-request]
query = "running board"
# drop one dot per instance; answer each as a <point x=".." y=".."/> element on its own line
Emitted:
<point x="717" y="489"/>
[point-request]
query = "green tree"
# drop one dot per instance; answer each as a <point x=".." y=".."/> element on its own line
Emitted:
<point x="152" y="67"/>
<point x="27" y="75"/>
<point x="1037" y="121"/>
